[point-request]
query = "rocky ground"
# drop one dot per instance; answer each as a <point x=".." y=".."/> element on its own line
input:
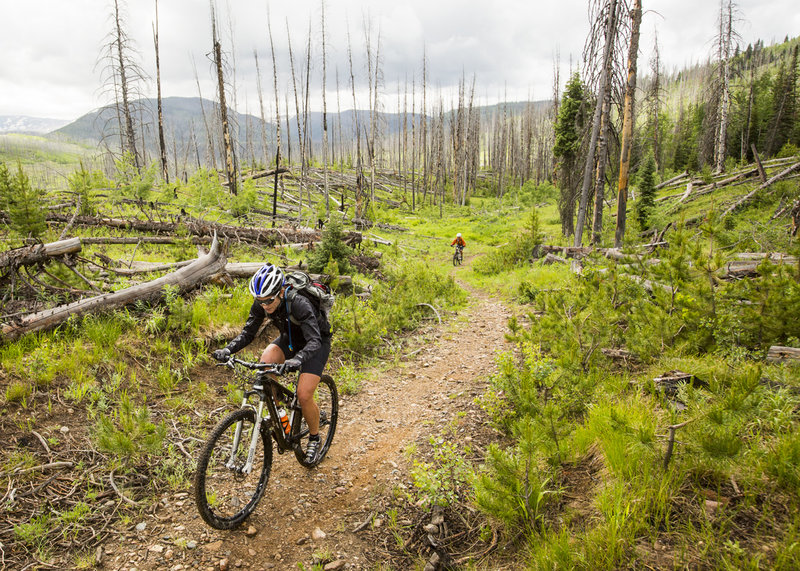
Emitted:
<point x="352" y="511"/>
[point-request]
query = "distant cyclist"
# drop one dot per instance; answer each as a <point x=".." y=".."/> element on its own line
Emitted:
<point x="304" y="342"/>
<point x="458" y="242"/>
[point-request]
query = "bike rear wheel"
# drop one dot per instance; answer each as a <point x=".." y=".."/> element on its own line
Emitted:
<point x="327" y="398"/>
<point x="225" y="495"/>
<point x="457" y="258"/>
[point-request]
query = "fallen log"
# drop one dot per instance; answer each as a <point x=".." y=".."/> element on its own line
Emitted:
<point x="145" y="240"/>
<point x="778" y="354"/>
<point x="196" y="227"/>
<point x="31" y="255"/>
<point x="670" y="181"/>
<point x="263" y="174"/>
<point x="762" y="186"/>
<point x="245" y="270"/>
<point x="146" y="267"/>
<point x="184" y="279"/>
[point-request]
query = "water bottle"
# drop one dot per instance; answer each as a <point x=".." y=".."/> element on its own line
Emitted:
<point x="284" y="418"/>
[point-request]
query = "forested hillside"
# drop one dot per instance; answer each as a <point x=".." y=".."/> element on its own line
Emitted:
<point x="640" y="411"/>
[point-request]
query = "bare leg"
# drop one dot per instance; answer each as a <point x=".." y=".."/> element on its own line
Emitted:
<point x="273" y="354"/>
<point x="306" y="385"/>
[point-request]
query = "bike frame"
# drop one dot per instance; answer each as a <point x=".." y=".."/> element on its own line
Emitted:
<point x="260" y="391"/>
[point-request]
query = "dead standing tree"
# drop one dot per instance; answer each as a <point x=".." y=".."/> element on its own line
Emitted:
<point x="123" y="76"/>
<point x="325" y="117"/>
<point x="725" y="42"/>
<point x="161" y="143"/>
<point x="628" y="118"/>
<point x="230" y="159"/>
<point x="359" y="187"/>
<point x="609" y="15"/>
<point x="277" y="122"/>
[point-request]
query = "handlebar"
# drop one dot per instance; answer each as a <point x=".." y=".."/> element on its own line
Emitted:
<point x="276" y="368"/>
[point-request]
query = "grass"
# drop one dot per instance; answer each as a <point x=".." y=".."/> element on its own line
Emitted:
<point x="130" y="374"/>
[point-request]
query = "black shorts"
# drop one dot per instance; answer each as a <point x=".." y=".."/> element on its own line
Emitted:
<point x="313" y="364"/>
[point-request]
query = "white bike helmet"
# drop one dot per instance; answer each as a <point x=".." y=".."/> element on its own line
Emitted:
<point x="458" y="235"/>
<point x="267" y="281"/>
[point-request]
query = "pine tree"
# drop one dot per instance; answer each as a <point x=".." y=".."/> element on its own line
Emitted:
<point x="647" y="192"/>
<point x="5" y="187"/>
<point x="25" y="207"/>
<point x="331" y="248"/>
<point x="569" y="131"/>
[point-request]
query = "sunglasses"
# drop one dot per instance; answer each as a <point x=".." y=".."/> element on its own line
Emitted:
<point x="266" y="300"/>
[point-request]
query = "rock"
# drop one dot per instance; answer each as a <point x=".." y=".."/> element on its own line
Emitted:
<point x="191" y="544"/>
<point x="334" y="565"/>
<point x="214" y="546"/>
<point x="156" y="548"/>
<point x="141" y="526"/>
<point x="341" y="490"/>
<point x="302" y="541"/>
<point x="318" y="534"/>
<point x="64" y="429"/>
<point x="433" y="563"/>
<point x="432" y="529"/>
<point x="711" y="507"/>
<point x="224" y="564"/>
<point x="251" y="531"/>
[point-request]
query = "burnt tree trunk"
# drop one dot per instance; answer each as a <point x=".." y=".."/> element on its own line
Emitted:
<point x="627" y="125"/>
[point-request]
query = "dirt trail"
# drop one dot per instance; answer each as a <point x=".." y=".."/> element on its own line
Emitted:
<point x="305" y="514"/>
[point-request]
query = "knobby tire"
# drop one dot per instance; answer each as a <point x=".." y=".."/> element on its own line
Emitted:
<point x="225" y="496"/>
<point x="327" y="398"/>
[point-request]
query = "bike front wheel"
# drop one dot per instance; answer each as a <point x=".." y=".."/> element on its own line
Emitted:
<point x="327" y="399"/>
<point x="225" y="490"/>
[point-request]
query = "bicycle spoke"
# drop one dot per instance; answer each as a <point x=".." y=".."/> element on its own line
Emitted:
<point x="327" y="400"/>
<point x="226" y="488"/>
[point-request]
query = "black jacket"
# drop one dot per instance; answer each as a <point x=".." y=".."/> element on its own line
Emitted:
<point x="306" y="325"/>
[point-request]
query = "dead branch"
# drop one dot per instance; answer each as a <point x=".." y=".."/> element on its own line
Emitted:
<point x="119" y="492"/>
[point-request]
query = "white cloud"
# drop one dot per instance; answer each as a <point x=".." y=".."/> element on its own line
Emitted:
<point x="508" y="45"/>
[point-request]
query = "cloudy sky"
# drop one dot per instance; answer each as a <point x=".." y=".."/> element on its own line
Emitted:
<point x="52" y="64"/>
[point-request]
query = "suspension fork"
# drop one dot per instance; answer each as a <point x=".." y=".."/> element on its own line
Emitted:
<point x="237" y="436"/>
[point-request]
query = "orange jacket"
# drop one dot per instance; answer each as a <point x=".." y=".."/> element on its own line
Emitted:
<point x="459" y="241"/>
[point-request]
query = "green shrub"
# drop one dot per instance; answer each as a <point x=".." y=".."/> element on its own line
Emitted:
<point x="444" y="480"/>
<point x="245" y="200"/>
<point x="511" y="489"/>
<point x="26" y="207"/>
<point x="18" y="391"/>
<point x="331" y="247"/>
<point x="128" y="433"/>
<point x="647" y="193"/>
<point x="516" y="252"/>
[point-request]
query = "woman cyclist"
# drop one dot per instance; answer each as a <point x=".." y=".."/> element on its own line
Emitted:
<point x="304" y="342"/>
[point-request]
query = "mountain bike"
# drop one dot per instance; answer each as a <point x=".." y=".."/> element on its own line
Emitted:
<point x="458" y="255"/>
<point x="235" y="463"/>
